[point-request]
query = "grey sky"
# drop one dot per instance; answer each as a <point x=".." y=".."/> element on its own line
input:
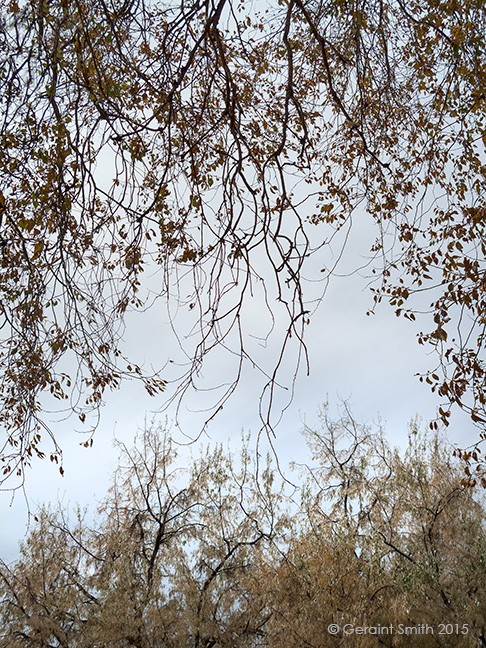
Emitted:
<point x="369" y="360"/>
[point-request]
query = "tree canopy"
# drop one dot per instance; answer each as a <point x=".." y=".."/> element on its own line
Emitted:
<point x="224" y="144"/>
<point x="218" y="554"/>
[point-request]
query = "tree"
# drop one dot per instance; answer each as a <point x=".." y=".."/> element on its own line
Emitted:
<point x="235" y="141"/>
<point x="168" y="561"/>
<point x="385" y="539"/>
<point x="215" y="554"/>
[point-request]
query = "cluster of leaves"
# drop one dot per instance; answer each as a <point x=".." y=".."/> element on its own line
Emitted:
<point x="217" y="555"/>
<point x="229" y="135"/>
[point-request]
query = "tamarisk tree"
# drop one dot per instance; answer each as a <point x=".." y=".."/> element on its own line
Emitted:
<point x="216" y="554"/>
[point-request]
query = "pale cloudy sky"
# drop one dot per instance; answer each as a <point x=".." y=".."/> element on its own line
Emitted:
<point x="371" y="361"/>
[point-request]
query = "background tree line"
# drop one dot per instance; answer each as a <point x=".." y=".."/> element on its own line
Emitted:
<point x="218" y="554"/>
<point x="236" y="144"/>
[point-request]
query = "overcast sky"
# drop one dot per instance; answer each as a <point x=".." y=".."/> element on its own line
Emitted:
<point x="370" y="361"/>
